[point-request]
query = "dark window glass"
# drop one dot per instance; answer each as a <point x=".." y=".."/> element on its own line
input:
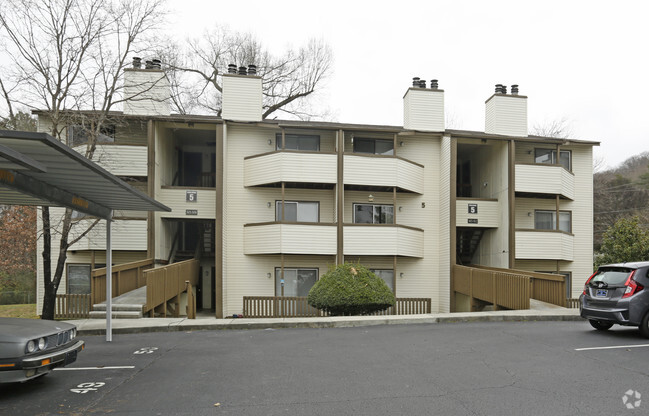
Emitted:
<point x="78" y="279"/>
<point x="297" y="211"/>
<point x="549" y="156"/>
<point x="547" y="220"/>
<point x="297" y="282"/>
<point x="373" y="214"/>
<point x="373" y="146"/>
<point x="387" y="275"/>
<point x="78" y="135"/>
<point x="298" y="142"/>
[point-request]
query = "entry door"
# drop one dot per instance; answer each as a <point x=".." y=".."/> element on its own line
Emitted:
<point x="192" y="169"/>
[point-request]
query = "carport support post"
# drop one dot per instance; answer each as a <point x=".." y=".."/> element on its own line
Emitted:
<point x="109" y="280"/>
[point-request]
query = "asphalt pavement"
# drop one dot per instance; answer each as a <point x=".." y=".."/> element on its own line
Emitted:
<point x="450" y="368"/>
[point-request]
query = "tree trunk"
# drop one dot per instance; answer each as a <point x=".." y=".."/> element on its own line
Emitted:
<point x="49" y="299"/>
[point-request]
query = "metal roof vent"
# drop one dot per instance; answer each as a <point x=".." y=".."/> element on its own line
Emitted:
<point x="232" y="69"/>
<point x="137" y="62"/>
<point x="252" y="69"/>
<point x="434" y="84"/>
<point x="243" y="70"/>
<point x="415" y="82"/>
<point x="515" y="89"/>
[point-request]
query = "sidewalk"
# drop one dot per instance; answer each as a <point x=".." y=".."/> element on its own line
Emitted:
<point x="136" y="326"/>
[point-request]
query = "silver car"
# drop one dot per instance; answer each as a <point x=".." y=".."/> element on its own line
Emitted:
<point x="617" y="294"/>
<point x="31" y="348"/>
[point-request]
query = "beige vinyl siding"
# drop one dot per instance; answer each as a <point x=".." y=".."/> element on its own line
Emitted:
<point x="259" y="211"/>
<point x="120" y="160"/>
<point x="488" y="213"/>
<point x="544" y="245"/>
<point x="545" y="179"/>
<point x="146" y="92"/>
<point x="443" y="232"/>
<point x="241" y="98"/>
<point x="290" y="167"/>
<point x="383" y="171"/>
<point x="290" y="239"/>
<point x="423" y="109"/>
<point x="176" y="199"/>
<point x="506" y="115"/>
<point x="125" y="235"/>
<point x="378" y="240"/>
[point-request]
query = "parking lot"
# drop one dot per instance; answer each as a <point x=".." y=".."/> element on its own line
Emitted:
<point x="504" y="368"/>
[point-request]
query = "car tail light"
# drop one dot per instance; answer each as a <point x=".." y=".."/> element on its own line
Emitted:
<point x="632" y="287"/>
<point x="588" y="281"/>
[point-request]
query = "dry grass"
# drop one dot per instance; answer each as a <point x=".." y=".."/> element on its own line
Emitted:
<point x="19" y="311"/>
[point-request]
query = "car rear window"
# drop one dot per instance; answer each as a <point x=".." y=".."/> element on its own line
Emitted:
<point x="612" y="276"/>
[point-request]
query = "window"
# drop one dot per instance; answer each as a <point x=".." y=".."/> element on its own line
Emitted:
<point x="298" y="142"/>
<point x="547" y="220"/>
<point x="387" y="275"/>
<point x="78" y="135"/>
<point x="373" y="146"/>
<point x="549" y="156"/>
<point x="298" y="211"/>
<point x="78" y="279"/>
<point x="297" y="282"/>
<point x="373" y="214"/>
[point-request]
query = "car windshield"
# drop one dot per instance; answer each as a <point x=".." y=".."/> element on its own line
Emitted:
<point x="612" y="276"/>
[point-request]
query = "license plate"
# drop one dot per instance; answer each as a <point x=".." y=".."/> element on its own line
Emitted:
<point x="601" y="293"/>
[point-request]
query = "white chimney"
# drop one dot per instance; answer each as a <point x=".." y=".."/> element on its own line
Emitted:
<point x="423" y="108"/>
<point x="506" y="114"/>
<point x="242" y="96"/>
<point x="146" y="91"/>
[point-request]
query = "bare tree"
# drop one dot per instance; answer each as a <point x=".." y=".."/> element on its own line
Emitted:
<point x="195" y="72"/>
<point x="560" y="128"/>
<point x="68" y="55"/>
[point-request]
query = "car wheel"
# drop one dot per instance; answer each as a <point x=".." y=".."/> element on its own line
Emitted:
<point x="644" y="326"/>
<point x="600" y="325"/>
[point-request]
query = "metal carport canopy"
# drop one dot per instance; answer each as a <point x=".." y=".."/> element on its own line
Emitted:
<point x="36" y="169"/>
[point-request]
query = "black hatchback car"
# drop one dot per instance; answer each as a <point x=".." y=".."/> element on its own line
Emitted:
<point x="617" y="294"/>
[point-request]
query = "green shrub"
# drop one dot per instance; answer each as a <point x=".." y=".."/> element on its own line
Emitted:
<point x="350" y="289"/>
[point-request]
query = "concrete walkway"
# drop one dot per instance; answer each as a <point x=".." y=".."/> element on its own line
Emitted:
<point x="134" y="326"/>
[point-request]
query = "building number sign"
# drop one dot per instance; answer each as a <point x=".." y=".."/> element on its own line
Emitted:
<point x="191" y="196"/>
<point x="473" y="208"/>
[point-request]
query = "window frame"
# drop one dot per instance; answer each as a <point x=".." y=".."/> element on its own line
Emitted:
<point x="554" y="222"/>
<point x="373" y="213"/>
<point x="553" y="157"/>
<point x="278" y="141"/>
<point x="278" y="273"/>
<point x="394" y="280"/>
<point x="278" y="202"/>
<point x="369" y="139"/>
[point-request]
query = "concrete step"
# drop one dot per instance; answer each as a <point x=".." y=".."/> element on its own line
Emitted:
<point x="132" y="307"/>
<point x="116" y="314"/>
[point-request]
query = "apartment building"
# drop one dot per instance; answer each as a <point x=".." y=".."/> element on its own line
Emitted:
<point x="269" y="205"/>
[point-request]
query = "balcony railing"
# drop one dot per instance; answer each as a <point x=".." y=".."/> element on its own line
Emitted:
<point x="290" y="166"/>
<point x="544" y="245"/>
<point x="289" y="238"/>
<point x="383" y="240"/>
<point x="383" y="171"/>
<point x="545" y="179"/>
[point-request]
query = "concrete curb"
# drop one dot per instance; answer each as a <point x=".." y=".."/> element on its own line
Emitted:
<point x="145" y="325"/>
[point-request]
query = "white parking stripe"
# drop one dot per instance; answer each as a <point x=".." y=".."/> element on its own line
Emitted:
<point x="123" y="367"/>
<point x="613" y="347"/>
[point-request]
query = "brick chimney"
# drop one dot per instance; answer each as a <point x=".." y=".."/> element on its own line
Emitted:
<point x="506" y="114"/>
<point x="146" y="90"/>
<point x="242" y="94"/>
<point x="423" y="108"/>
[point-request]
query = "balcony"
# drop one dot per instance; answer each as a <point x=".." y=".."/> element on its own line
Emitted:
<point x="290" y="166"/>
<point x="187" y="202"/>
<point x="383" y="240"/>
<point x="544" y="245"/>
<point x="545" y="179"/>
<point x="384" y="171"/>
<point x="289" y="238"/>
<point x="477" y="212"/>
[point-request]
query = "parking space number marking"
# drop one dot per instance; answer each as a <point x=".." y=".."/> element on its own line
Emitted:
<point x="84" y="388"/>
<point x="146" y="350"/>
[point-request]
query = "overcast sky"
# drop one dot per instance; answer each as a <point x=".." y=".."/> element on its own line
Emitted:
<point x="586" y="61"/>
